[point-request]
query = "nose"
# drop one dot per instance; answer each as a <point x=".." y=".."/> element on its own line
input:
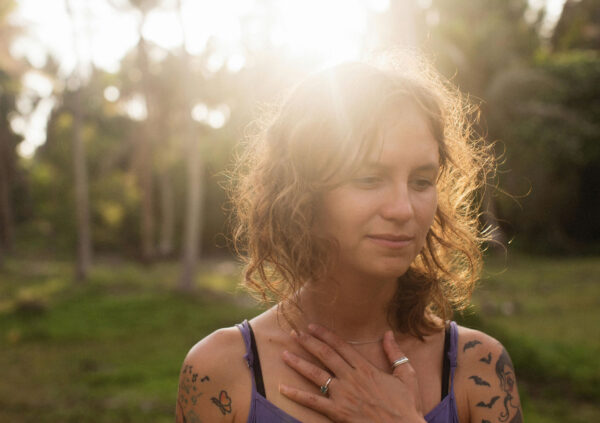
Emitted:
<point x="397" y="204"/>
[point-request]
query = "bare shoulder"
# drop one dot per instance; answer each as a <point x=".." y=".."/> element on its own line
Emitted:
<point x="213" y="382"/>
<point x="486" y="377"/>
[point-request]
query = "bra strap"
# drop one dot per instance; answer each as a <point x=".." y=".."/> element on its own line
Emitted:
<point x="446" y="362"/>
<point x="258" y="378"/>
<point x="244" y="329"/>
<point x="453" y="352"/>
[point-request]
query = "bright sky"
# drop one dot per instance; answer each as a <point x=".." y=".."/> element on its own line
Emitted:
<point x="104" y="37"/>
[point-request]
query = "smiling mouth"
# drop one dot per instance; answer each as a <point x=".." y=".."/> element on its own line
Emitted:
<point x="391" y="241"/>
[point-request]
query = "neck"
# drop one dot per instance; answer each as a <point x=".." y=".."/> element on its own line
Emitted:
<point x="353" y="306"/>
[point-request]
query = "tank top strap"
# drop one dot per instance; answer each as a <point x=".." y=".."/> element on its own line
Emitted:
<point x="453" y="352"/>
<point x="244" y="328"/>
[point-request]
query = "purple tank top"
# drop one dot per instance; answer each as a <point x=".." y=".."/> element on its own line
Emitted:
<point x="263" y="411"/>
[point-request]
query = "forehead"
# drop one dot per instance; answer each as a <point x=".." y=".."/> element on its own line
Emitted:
<point x="405" y="137"/>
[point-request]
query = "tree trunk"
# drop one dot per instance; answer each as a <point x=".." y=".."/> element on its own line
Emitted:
<point x="84" y="242"/>
<point x="146" y="188"/>
<point x="167" y="208"/>
<point x="146" y="149"/>
<point x="195" y="186"/>
<point x="194" y="206"/>
<point x="6" y="210"/>
<point x="82" y="208"/>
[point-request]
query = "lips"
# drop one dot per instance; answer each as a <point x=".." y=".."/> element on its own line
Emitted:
<point x="391" y="240"/>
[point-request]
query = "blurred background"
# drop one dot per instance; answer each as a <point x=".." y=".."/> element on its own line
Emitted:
<point x="118" y="118"/>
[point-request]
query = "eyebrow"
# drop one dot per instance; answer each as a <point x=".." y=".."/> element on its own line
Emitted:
<point x="423" y="168"/>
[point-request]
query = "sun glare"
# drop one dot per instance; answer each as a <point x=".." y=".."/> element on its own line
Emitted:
<point x="322" y="32"/>
<point x="333" y="30"/>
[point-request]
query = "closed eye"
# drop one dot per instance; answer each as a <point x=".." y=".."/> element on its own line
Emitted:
<point x="367" y="181"/>
<point x="423" y="184"/>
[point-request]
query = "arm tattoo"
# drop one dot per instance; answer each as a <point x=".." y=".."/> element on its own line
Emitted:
<point x="192" y="417"/>
<point x="223" y="402"/>
<point x="479" y="381"/>
<point x="506" y="374"/>
<point x="486" y="360"/>
<point x="188" y="392"/>
<point x="489" y="404"/>
<point x="470" y="344"/>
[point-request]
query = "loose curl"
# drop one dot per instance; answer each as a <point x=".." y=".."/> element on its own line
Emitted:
<point x="321" y="133"/>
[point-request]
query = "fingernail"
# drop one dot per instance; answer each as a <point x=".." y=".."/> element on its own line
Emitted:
<point x="312" y="327"/>
<point x="294" y="334"/>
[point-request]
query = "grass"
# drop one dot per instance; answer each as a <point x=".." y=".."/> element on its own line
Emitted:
<point x="110" y="351"/>
<point x="546" y="312"/>
<point x="106" y="352"/>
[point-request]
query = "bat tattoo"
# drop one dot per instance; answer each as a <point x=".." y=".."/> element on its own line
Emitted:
<point x="488" y="359"/>
<point x="489" y="404"/>
<point x="471" y="344"/>
<point x="479" y="381"/>
<point x="223" y="402"/>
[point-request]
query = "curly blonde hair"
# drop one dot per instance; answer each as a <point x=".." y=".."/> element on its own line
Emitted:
<point x="323" y="130"/>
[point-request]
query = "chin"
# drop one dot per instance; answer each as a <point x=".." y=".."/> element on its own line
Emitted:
<point x="391" y="270"/>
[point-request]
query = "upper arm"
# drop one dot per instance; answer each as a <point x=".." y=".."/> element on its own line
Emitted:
<point x="208" y="391"/>
<point x="489" y="376"/>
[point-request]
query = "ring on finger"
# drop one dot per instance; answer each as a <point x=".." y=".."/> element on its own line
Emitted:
<point x="325" y="387"/>
<point x="399" y="362"/>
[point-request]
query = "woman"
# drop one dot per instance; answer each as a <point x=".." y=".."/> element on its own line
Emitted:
<point x="354" y="207"/>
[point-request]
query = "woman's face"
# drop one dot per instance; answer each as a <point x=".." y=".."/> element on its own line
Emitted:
<point x="381" y="215"/>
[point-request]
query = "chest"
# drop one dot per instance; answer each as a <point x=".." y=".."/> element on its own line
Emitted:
<point x="426" y="359"/>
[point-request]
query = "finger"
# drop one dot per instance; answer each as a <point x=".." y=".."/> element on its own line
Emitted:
<point x="313" y="373"/>
<point x="392" y="350"/>
<point x="327" y="355"/>
<point x="315" y="402"/>
<point x="345" y="350"/>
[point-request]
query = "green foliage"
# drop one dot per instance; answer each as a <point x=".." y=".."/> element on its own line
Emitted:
<point x="547" y="118"/>
<point x="475" y="40"/>
<point x="578" y="26"/>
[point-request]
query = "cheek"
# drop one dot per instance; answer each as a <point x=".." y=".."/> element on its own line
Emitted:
<point x="427" y="208"/>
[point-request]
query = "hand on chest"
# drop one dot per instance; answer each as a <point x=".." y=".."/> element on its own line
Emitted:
<point x="426" y="358"/>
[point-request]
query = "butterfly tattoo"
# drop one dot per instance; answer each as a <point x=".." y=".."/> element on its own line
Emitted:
<point x="223" y="402"/>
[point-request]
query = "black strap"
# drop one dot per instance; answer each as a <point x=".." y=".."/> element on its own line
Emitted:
<point x="446" y="363"/>
<point x="258" y="378"/>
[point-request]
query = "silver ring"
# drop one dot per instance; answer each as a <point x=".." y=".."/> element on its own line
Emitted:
<point x="400" y="361"/>
<point x="325" y="388"/>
